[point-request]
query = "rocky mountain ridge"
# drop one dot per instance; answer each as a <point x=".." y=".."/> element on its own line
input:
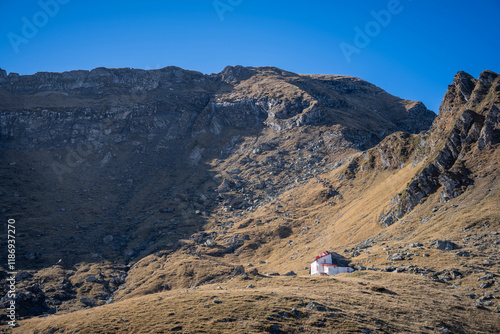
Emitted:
<point x="469" y="114"/>
<point x="237" y="97"/>
<point x="181" y="180"/>
<point x="84" y="126"/>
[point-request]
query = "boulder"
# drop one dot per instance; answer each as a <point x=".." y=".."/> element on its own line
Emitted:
<point x="445" y="245"/>
<point x="486" y="285"/>
<point x="87" y="301"/>
<point x="209" y="243"/>
<point x="395" y="257"/>
<point x="107" y="239"/>
<point x="254" y="272"/>
<point x="313" y="306"/>
<point x="91" y="279"/>
<point x="239" y="270"/>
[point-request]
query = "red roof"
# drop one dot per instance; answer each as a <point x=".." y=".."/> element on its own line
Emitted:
<point x="321" y="255"/>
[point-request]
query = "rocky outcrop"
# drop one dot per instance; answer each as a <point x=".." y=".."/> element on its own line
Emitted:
<point x="459" y="92"/>
<point x="233" y="74"/>
<point x="490" y="132"/>
<point x="416" y="119"/>
<point x="471" y="106"/>
<point x="30" y="302"/>
<point x="68" y="106"/>
<point x="445" y="245"/>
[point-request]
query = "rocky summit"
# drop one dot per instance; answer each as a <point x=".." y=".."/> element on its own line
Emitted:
<point x="159" y="193"/>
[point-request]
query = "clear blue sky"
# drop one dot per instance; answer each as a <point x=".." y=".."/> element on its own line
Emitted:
<point x="413" y="55"/>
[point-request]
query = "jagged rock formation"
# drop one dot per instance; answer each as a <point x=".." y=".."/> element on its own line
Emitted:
<point x="467" y="124"/>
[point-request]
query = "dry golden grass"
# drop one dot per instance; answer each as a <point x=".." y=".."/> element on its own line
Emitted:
<point x="384" y="302"/>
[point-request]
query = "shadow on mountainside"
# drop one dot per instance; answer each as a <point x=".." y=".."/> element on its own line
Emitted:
<point x="101" y="169"/>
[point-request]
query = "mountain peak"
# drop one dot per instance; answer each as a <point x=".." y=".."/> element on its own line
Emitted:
<point x="232" y="74"/>
<point x="459" y="91"/>
<point x="466" y="91"/>
<point x="488" y="75"/>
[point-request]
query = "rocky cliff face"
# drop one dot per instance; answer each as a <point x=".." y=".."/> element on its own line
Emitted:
<point x="71" y="106"/>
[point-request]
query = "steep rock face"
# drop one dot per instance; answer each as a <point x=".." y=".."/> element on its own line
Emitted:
<point x="56" y="108"/>
<point x="459" y="92"/>
<point x="490" y="132"/>
<point x="468" y="124"/>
